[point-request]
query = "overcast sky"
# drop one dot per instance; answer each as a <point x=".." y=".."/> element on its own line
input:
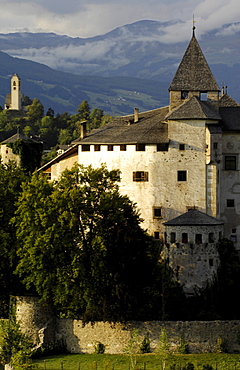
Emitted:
<point x="86" y="18"/>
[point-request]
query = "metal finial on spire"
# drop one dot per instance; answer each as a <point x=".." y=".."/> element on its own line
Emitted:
<point x="193" y="28"/>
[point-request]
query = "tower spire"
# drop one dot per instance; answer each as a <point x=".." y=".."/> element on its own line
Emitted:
<point x="193" y="28"/>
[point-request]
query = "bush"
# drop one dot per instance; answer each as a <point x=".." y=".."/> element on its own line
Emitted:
<point x="145" y="345"/>
<point x="207" y="367"/>
<point x="189" y="366"/>
<point x="99" y="348"/>
<point x="222" y="345"/>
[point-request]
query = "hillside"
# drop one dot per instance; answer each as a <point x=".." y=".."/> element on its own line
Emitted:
<point x="127" y="67"/>
<point x="64" y="91"/>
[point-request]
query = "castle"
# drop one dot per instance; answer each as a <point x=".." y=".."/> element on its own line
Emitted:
<point x="179" y="158"/>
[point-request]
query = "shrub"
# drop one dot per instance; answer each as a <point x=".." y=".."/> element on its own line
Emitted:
<point x="145" y="345"/>
<point x="183" y="345"/>
<point x="163" y="346"/>
<point x="189" y="366"/>
<point x="99" y="348"/>
<point x="207" y="367"/>
<point x="222" y="345"/>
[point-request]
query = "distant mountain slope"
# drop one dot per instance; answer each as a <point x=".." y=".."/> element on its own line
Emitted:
<point x="134" y="50"/>
<point x="63" y="91"/>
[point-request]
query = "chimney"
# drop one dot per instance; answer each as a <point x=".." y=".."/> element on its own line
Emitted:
<point x="83" y="129"/>
<point x="136" y="110"/>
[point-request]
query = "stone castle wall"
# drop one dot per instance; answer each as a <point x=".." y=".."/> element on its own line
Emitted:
<point x="38" y="322"/>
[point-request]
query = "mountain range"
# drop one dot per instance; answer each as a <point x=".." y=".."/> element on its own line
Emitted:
<point x="127" y="67"/>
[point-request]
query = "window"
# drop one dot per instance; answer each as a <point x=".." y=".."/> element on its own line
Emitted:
<point x="230" y="162"/>
<point x="172" y="238"/>
<point x="215" y="145"/>
<point x="162" y="147"/>
<point x="85" y="148"/>
<point x="234" y="231"/>
<point x="110" y="148"/>
<point x="211" y="238"/>
<point x="181" y="146"/>
<point x="211" y="262"/>
<point x="157" y="212"/>
<point x="198" y="239"/>
<point x="182" y="175"/>
<point x="140" y="147"/>
<point x="230" y="203"/>
<point x="184" y="238"/>
<point x="97" y="148"/>
<point x="184" y="94"/>
<point x="123" y="147"/>
<point x="140" y="176"/>
<point x="233" y="238"/>
<point x="156" y="235"/>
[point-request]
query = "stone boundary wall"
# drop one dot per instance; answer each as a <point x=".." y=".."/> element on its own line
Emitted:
<point x="201" y="336"/>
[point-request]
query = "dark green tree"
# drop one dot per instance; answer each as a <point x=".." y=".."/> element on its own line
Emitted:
<point x="35" y="111"/>
<point x="11" y="178"/>
<point x="84" y="110"/>
<point x="81" y="246"/>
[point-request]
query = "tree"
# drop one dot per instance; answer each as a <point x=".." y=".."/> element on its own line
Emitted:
<point x="96" y="118"/>
<point x="11" y="178"/>
<point x="81" y="246"/>
<point x="84" y="110"/>
<point x="35" y="111"/>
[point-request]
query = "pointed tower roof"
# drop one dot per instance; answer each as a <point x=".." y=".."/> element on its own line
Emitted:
<point x="193" y="73"/>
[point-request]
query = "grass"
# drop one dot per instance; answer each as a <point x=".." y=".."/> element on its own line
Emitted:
<point x="147" y="362"/>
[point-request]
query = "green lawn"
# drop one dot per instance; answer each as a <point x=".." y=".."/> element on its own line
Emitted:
<point x="147" y="362"/>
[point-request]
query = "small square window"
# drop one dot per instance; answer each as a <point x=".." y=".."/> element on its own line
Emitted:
<point x="156" y="235"/>
<point x="157" y="212"/>
<point x="233" y="238"/>
<point x="211" y="262"/>
<point x="172" y="238"/>
<point x="215" y="145"/>
<point x="234" y="231"/>
<point x="182" y="175"/>
<point x="110" y="148"/>
<point x="198" y="238"/>
<point x="211" y="238"/>
<point x="162" y="147"/>
<point x="140" y="176"/>
<point x="85" y="148"/>
<point x="230" y="203"/>
<point x="97" y="148"/>
<point x="230" y="162"/>
<point x="184" y="238"/>
<point x="140" y="147"/>
<point x="181" y="146"/>
<point x="123" y="147"/>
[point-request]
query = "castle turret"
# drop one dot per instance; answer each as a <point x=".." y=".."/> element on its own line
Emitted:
<point x="193" y="78"/>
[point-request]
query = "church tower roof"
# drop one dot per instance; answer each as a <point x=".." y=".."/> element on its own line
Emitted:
<point x="193" y="73"/>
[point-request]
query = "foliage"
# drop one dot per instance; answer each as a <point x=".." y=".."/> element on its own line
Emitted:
<point x="81" y="245"/>
<point x="188" y="366"/>
<point x="99" y="348"/>
<point x="133" y="347"/>
<point x="11" y="178"/>
<point x="145" y="345"/>
<point x="222" y="345"/>
<point x="30" y="153"/>
<point x="35" y="111"/>
<point x="207" y="367"/>
<point x="22" y="360"/>
<point x="12" y="341"/>
<point x="183" y="345"/>
<point x="163" y="345"/>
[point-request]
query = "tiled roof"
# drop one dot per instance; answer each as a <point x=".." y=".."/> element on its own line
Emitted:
<point x="15" y="137"/>
<point x="194" y="108"/>
<point x="230" y="118"/>
<point x="193" y="73"/>
<point x="226" y="101"/>
<point x="193" y="217"/>
<point x="150" y="128"/>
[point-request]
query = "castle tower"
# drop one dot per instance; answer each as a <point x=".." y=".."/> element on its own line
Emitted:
<point x="191" y="248"/>
<point x="193" y="78"/>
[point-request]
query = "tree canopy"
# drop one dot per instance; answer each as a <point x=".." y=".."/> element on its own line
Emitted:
<point x="81" y="246"/>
